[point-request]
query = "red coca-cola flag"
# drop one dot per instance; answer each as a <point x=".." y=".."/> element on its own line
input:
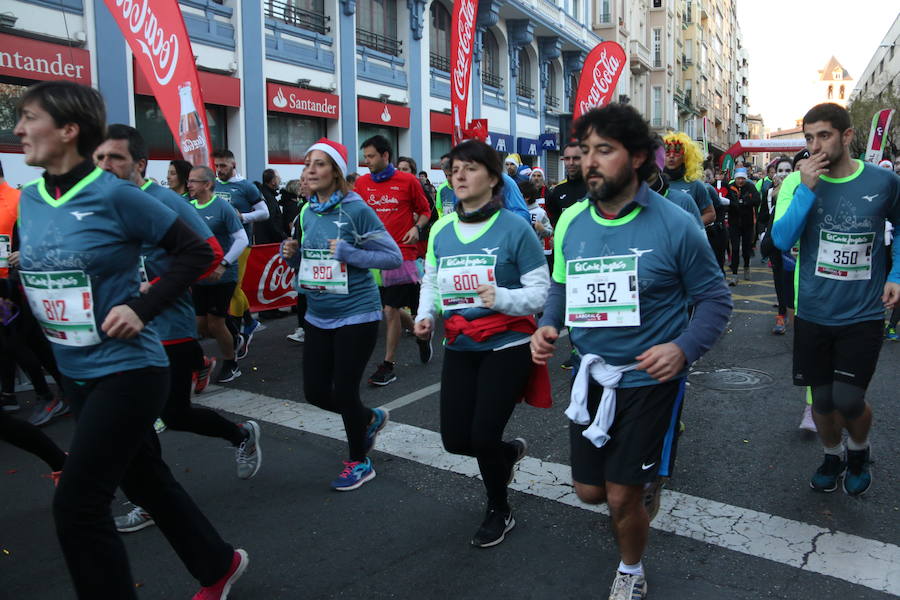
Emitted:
<point x="599" y="77"/>
<point x="156" y="33"/>
<point x="462" y="40"/>
<point x="268" y="281"/>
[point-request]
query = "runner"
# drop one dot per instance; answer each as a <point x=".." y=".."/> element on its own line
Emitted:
<point x="177" y="176"/>
<point x="213" y="294"/>
<point x="124" y="154"/>
<point x="539" y="220"/>
<point x="486" y="363"/>
<point x="841" y="288"/>
<point x="571" y="189"/>
<point x="782" y="263"/>
<point x="627" y="264"/>
<point x="743" y="203"/>
<point x="399" y="201"/>
<point x="684" y="166"/>
<point x="115" y="371"/>
<point x="342" y="239"/>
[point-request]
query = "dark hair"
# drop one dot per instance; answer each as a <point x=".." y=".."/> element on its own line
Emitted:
<point x="412" y="163"/>
<point x="528" y="189"/>
<point x="137" y="147"/>
<point x="70" y="102"/>
<point x="782" y="159"/>
<point x="425" y="173"/>
<point x="381" y="145"/>
<point x="832" y="113"/>
<point x="223" y="153"/>
<point x="268" y="176"/>
<point x="572" y="144"/>
<point x="479" y="152"/>
<point x="351" y="177"/>
<point x="182" y="170"/>
<point x="802" y="155"/>
<point x="621" y="122"/>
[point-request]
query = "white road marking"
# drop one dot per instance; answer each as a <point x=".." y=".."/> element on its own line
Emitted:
<point x="413" y="396"/>
<point x="854" y="559"/>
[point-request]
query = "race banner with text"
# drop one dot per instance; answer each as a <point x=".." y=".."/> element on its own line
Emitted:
<point x="157" y="36"/>
<point x="268" y="280"/>
<point x="462" y="40"/>
<point x="881" y="125"/>
<point x="599" y="77"/>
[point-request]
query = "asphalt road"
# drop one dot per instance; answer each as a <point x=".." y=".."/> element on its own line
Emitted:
<point x="406" y="533"/>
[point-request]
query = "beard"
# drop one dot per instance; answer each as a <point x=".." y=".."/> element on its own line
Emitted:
<point x="613" y="185"/>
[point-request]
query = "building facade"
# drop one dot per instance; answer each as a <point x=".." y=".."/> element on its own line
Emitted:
<point x="883" y="71"/>
<point x="278" y="74"/>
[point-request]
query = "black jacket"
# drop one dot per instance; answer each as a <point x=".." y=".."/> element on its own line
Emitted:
<point x="270" y="231"/>
<point x="562" y="196"/>
<point x="744" y="202"/>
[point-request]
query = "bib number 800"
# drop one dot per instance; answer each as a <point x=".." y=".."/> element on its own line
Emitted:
<point x="465" y="282"/>
<point x="601" y="293"/>
<point x="846" y="257"/>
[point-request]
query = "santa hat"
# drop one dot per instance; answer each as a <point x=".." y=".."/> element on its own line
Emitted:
<point x="337" y="152"/>
<point x="537" y="170"/>
<point x="886" y="164"/>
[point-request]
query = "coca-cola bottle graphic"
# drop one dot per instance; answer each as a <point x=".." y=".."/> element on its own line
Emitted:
<point x="191" y="136"/>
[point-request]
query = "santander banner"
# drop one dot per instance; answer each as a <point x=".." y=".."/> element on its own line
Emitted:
<point x="268" y="281"/>
<point x="157" y="36"/>
<point x="599" y="77"/>
<point x="462" y="41"/>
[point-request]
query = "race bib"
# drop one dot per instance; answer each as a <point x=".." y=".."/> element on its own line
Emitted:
<point x="603" y="292"/>
<point x="142" y="272"/>
<point x="845" y="256"/>
<point x="459" y="276"/>
<point x="63" y="304"/>
<point x="4" y="251"/>
<point x="319" y="271"/>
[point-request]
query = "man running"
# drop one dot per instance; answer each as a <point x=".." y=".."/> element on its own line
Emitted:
<point x="626" y="265"/>
<point x="684" y="166"/>
<point x="571" y="189"/>
<point x="399" y="201"/>
<point x="837" y="213"/>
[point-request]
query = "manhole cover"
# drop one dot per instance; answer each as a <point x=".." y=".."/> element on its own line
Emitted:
<point x="731" y="379"/>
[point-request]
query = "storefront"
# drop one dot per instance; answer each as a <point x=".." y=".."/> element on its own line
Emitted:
<point x="501" y="142"/>
<point x="380" y="118"/>
<point x="441" y="137"/>
<point x="296" y="118"/>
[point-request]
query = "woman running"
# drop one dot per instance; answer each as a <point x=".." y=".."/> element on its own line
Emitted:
<point x="342" y="239"/>
<point x="486" y="270"/>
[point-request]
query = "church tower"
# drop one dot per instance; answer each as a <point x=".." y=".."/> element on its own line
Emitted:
<point x="834" y="83"/>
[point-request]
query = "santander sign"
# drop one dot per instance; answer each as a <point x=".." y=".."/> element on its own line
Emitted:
<point x="598" y="79"/>
<point x="461" y="45"/>
<point x="160" y="49"/>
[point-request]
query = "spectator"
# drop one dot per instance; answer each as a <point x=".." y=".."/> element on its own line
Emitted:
<point x="271" y="230"/>
<point x="427" y="185"/>
<point x="177" y="176"/>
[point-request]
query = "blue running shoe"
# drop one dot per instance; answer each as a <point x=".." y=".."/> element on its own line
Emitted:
<point x="355" y="474"/>
<point x="381" y="416"/>
<point x="827" y="475"/>
<point x="858" y="478"/>
<point x="890" y="334"/>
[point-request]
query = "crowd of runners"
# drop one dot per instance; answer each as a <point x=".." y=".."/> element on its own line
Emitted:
<point x="109" y="280"/>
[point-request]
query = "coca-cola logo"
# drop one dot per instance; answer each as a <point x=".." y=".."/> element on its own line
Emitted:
<point x="162" y="50"/>
<point x="276" y="281"/>
<point x="605" y="71"/>
<point x="465" y="27"/>
<point x="189" y="145"/>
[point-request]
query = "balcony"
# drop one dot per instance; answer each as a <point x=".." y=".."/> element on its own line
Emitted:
<point x="378" y="42"/>
<point x="524" y="91"/>
<point x="289" y="13"/>
<point x="639" y="57"/>
<point x="439" y="62"/>
<point x="491" y="79"/>
<point x="551" y="101"/>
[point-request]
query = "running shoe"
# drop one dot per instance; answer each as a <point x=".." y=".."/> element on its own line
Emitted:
<point x="747" y="273"/>
<point x="220" y="589"/>
<point x="246" y="336"/>
<point x="807" y="423"/>
<point x="425" y="350"/>
<point x="827" y="475"/>
<point x="355" y="474"/>
<point x="230" y="371"/>
<point x="890" y="333"/>
<point x="652" y="493"/>
<point x="136" y="520"/>
<point x="298" y="336"/>
<point x="568" y="363"/>
<point x="209" y="364"/>
<point x="9" y="403"/>
<point x="383" y="375"/>
<point x="858" y="477"/>
<point x="159" y="426"/>
<point x="779" y="328"/>
<point x="380" y="418"/>
<point x="521" y="449"/>
<point x="493" y="530"/>
<point x="54" y="477"/>
<point x="249" y="454"/>
<point x="628" y="587"/>
<point x="46" y="408"/>
<point x="733" y="280"/>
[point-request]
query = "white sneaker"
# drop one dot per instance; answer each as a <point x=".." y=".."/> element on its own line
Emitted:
<point x="298" y="336"/>
<point x="135" y="520"/>
<point x="628" y="587"/>
<point x="807" y="422"/>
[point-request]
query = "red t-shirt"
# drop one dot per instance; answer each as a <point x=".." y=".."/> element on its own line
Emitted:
<point x="398" y="202"/>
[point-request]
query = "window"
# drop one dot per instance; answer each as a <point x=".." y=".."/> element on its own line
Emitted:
<point x="365" y="131"/>
<point x="604" y="16"/>
<point x="9" y="99"/>
<point x="837" y="74"/>
<point x="290" y="136"/>
<point x="830" y="92"/>
<point x="550" y="97"/>
<point x="576" y="9"/>
<point x="523" y="81"/>
<point x="657" y="3"/>
<point x="689" y="12"/>
<point x="440" y="37"/>
<point x="490" y="61"/>
<point x="657" y="47"/>
<point x="149" y="120"/>
<point x="305" y="14"/>
<point x="841" y="96"/>
<point x="440" y="145"/>
<point x="656" y="109"/>
<point x="376" y="26"/>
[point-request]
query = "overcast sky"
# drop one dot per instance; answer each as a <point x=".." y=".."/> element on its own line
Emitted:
<point x="788" y="41"/>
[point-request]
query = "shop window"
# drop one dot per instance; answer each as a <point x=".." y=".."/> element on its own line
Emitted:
<point x="290" y="136"/>
<point x="149" y="120"/>
<point x="440" y="145"/>
<point x="9" y="100"/>
<point x="366" y="131"/>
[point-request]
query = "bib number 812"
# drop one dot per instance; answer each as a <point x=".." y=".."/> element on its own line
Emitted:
<point x="846" y="257"/>
<point x="55" y="310"/>
<point x="600" y="293"/>
<point x="465" y="282"/>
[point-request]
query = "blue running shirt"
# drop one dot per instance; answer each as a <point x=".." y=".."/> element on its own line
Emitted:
<point x="242" y="195"/>
<point x="223" y="222"/>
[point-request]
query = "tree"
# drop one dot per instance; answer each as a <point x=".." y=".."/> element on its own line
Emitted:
<point x="862" y="109"/>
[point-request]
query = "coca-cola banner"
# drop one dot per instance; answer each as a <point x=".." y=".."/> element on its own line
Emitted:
<point x="268" y="281"/>
<point x="599" y="77"/>
<point x="462" y="39"/>
<point x="157" y="36"/>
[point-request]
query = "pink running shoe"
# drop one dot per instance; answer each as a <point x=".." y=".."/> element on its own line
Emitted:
<point x="220" y="589"/>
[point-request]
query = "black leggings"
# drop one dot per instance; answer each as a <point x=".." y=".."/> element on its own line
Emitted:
<point x="301" y="310"/>
<point x="178" y="413"/>
<point x="22" y="342"/>
<point x="333" y="365"/>
<point x="479" y="391"/>
<point x="741" y="243"/>
<point x="784" y="286"/>
<point x="114" y="445"/>
<point x="29" y="438"/>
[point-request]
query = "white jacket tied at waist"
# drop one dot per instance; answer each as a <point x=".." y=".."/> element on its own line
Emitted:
<point x="606" y="375"/>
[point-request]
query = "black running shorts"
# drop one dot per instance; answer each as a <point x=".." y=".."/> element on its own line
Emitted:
<point x="398" y="296"/>
<point x="824" y="354"/>
<point x="643" y="436"/>
<point x="213" y="299"/>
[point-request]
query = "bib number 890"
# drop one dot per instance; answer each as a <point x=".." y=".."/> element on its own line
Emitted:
<point x="55" y="310"/>
<point x="846" y="257"/>
<point x="322" y="272"/>
<point x="465" y="282"/>
<point x="600" y="293"/>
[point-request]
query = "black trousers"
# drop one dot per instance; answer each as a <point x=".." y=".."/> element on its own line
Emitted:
<point x="718" y="241"/>
<point x="29" y="438"/>
<point x="741" y="243"/>
<point x="479" y="391"/>
<point x="333" y="365"/>
<point x="114" y="445"/>
<point x="23" y="343"/>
